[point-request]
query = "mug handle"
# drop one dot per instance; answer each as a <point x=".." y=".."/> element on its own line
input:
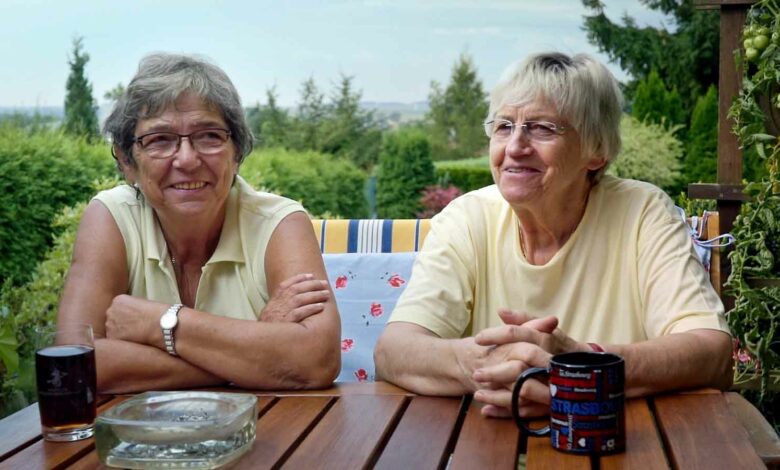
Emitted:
<point x="521" y="422"/>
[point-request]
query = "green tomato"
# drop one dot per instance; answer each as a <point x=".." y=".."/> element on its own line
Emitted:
<point x="762" y="31"/>
<point x="775" y="37"/>
<point x="760" y="42"/>
<point x="748" y="43"/>
<point x="751" y="54"/>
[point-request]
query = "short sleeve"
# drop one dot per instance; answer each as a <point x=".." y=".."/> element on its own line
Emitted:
<point x="440" y="294"/>
<point x="675" y="289"/>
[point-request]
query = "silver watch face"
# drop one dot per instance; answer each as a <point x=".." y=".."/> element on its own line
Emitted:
<point x="168" y="320"/>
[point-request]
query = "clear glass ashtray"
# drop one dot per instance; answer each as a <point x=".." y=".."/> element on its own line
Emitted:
<point x="177" y="430"/>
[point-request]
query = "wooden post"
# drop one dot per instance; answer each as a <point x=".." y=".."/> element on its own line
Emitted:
<point x="728" y="190"/>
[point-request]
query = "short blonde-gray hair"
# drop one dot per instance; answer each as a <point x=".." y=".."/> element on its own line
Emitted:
<point x="582" y="90"/>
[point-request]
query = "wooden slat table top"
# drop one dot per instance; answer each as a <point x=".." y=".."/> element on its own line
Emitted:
<point x="701" y="432"/>
<point x="486" y="442"/>
<point x="351" y="433"/>
<point x="422" y="438"/>
<point x="382" y="426"/>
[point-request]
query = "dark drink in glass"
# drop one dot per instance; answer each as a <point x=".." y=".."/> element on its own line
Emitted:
<point x="67" y="387"/>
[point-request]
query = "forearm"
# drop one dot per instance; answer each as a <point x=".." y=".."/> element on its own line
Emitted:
<point x="694" y="359"/>
<point x="125" y="367"/>
<point x="425" y="363"/>
<point x="261" y="355"/>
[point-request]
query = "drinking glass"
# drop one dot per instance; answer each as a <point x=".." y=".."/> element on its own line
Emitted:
<point x="67" y="381"/>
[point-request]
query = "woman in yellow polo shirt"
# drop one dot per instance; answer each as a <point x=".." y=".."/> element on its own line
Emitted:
<point x="189" y="276"/>
<point x="600" y="262"/>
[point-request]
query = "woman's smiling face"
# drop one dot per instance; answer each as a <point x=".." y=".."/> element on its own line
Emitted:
<point x="187" y="183"/>
<point x="531" y="171"/>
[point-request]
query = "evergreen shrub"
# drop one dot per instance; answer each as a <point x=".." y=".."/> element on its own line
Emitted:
<point x="467" y="175"/>
<point x="42" y="172"/>
<point x="324" y="184"/>
<point x="405" y="169"/>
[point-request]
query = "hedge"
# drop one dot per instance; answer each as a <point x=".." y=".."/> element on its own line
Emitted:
<point x="42" y="172"/>
<point x="467" y="175"/>
<point x="405" y="169"/>
<point x="324" y="184"/>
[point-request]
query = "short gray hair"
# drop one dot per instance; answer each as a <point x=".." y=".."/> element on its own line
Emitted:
<point x="582" y="90"/>
<point x="160" y="80"/>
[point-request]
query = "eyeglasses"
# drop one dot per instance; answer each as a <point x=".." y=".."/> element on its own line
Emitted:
<point x="166" y="144"/>
<point x="539" y="131"/>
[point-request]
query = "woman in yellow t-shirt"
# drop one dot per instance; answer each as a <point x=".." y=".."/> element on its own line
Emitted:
<point x="555" y="257"/>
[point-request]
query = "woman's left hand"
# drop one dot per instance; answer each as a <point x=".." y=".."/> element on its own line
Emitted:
<point x="522" y="342"/>
<point x="134" y="319"/>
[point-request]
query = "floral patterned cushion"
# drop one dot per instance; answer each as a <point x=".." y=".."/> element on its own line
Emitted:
<point x="367" y="286"/>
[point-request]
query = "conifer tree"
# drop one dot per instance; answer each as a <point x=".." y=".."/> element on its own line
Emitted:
<point x="80" y="109"/>
<point x="702" y="153"/>
<point x="457" y="112"/>
<point x="405" y="169"/>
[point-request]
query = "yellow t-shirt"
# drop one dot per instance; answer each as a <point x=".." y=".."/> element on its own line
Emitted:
<point x="233" y="282"/>
<point x="628" y="273"/>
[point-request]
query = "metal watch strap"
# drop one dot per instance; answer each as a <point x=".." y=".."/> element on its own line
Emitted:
<point x="168" y="337"/>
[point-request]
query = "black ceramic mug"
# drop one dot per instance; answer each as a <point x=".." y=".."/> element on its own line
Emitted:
<point x="587" y="412"/>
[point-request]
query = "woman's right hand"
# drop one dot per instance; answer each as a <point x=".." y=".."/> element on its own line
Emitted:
<point x="296" y="298"/>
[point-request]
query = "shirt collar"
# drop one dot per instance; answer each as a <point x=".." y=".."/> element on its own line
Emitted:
<point x="229" y="246"/>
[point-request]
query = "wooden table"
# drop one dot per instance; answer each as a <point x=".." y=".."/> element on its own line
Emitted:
<point x="381" y="426"/>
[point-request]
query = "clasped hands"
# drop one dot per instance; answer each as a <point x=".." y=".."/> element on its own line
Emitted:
<point x="522" y="342"/>
<point x="137" y="320"/>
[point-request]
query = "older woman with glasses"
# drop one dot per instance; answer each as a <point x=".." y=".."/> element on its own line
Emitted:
<point x="555" y="257"/>
<point x="188" y="275"/>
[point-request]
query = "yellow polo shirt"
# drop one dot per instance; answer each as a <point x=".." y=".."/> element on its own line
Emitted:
<point x="628" y="273"/>
<point x="233" y="283"/>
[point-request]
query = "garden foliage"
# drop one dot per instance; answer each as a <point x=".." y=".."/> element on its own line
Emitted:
<point x="324" y="184"/>
<point x="42" y="172"/>
<point x="467" y="175"/>
<point x="405" y="169"/>
<point x="27" y="306"/>
<point x="456" y="114"/>
<point x="650" y="152"/>
<point x="754" y="281"/>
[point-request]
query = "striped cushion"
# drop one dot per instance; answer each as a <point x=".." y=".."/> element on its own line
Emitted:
<point x="370" y="235"/>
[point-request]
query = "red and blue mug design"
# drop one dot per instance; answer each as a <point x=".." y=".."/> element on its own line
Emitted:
<point x="587" y="409"/>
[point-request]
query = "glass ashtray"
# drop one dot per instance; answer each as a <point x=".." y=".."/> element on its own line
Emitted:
<point x="177" y="430"/>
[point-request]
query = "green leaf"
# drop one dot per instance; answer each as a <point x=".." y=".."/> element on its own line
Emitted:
<point x="8" y="353"/>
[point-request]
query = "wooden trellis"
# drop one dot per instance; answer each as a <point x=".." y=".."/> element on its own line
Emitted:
<point x="727" y="191"/>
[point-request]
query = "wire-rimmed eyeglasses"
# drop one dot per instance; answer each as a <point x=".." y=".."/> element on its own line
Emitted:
<point x="166" y="144"/>
<point x="541" y="131"/>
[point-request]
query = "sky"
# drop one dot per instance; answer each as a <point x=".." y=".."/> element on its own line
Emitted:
<point x="393" y="49"/>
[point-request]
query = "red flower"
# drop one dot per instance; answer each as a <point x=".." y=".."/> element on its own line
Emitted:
<point x="396" y="281"/>
<point x="376" y="309"/>
<point x="341" y="282"/>
<point x="346" y="344"/>
<point x="361" y="375"/>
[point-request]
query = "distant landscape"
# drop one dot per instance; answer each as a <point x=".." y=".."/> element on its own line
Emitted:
<point x="391" y="113"/>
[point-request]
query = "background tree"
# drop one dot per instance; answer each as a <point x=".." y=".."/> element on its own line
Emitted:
<point x="650" y="152"/>
<point x="270" y="123"/>
<point x="654" y="103"/>
<point x="80" y="109"/>
<point x="115" y="93"/>
<point x="456" y="114"/>
<point x="405" y="169"/>
<point x="685" y="57"/>
<point x="307" y="123"/>
<point x="701" y="157"/>
<point x="350" y="131"/>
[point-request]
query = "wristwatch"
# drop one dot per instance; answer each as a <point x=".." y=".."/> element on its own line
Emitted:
<point x="168" y="322"/>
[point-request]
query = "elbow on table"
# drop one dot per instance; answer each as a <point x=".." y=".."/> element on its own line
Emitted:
<point x="312" y="367"/>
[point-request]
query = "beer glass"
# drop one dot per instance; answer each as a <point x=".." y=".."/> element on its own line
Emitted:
<point x="66" y="380"/>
